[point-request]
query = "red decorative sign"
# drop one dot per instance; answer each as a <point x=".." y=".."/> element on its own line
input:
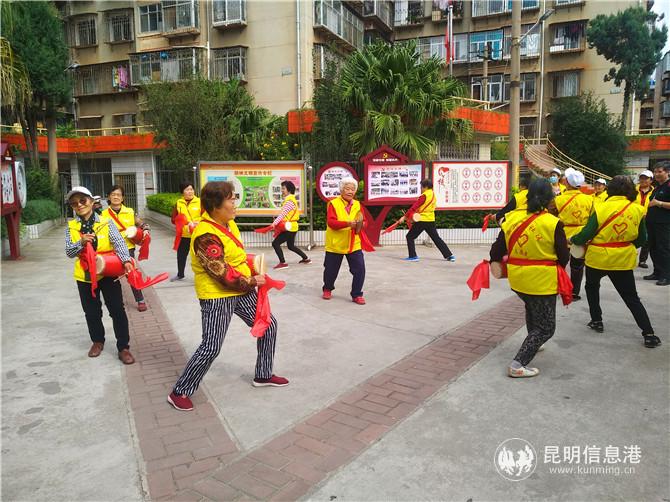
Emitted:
<point x="328" y="179"/>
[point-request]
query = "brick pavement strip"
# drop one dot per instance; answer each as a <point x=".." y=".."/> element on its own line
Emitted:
<point x="189" y="456"/>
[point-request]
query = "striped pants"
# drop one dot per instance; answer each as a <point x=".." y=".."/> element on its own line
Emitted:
<point x="216" y="317"/>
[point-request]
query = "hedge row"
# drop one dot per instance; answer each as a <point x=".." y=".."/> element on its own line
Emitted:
<point x="39" y="210"/>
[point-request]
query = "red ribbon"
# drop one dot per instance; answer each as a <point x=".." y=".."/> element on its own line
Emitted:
<point x="486" y="222"/>
<point x="180" y="222"/>
<point x="144" y="248"/>
<point x="136" y="280"/>
<point x="263" y="230"/>
<point x="391" y="228"/>
<point x="479" y="279"/>
<point x="263" y="313"/>
<point x="88" y="262"/>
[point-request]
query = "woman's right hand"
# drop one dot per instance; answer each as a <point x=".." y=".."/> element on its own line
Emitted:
<point x="260" y="279"/>
<point x="86" y="238"/>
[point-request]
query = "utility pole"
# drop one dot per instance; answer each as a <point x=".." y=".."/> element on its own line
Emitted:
<point x="485" y="75"/>
<point x="450" y="24"/>
<point x="515" y="87"/>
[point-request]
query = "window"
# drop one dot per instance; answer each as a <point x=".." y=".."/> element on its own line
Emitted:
<point x="461" y="151"/>
<point x="495" y="91"/>
<point x="408" y="12"/>
<point x="568" y="37"/>
<point x="229" y="11"/>
<point x="87" y="76"/>
<point x="492" y="7"/>
<point x="527" y="127"/>
<point x="120" y="27"/>
<point x="84" y="33"/>
<point x="151" y="18"/>
<point x="431" y="46"/>
<point x="530" y="43"/>
<point x="560" y="3"/>
<point x="526" y="90"/>
<point x="179" y="14"/>
<point x="165" y="66"/>
<point x="124" y="119"/>
<point x="460" y="50"/>
<point x="229" y="63"/>
<point x="566" y="84"/>
<point x="479" y="40"/>
<point x="107" y="78"/>
<point x="665" y="109"/>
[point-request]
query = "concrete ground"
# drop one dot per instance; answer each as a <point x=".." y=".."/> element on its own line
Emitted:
<point x="68" y="424"/>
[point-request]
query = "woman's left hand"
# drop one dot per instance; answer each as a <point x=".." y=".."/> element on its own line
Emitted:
<point x="128" y="266"/>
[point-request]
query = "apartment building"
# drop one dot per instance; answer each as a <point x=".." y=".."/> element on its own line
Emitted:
<point x="655" y="109"/>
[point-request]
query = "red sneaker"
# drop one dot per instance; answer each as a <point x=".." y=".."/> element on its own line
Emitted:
<point x="279" y="266"/>
<point x="327" y="294"/>
<point x="181" y="403"/>
<point x="359" y="300"/>
<point x="273" y="381"/>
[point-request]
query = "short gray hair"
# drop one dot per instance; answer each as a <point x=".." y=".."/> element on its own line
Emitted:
<point x="348" y="181"/>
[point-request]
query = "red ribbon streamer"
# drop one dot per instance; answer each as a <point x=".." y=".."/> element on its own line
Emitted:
<point x="479" y="279"/>
<point x="87" y="259"/>
<point x="180" y="222"/>
<point x="391" y="228"/>
<point x="144" y="248"/>
<point x="263" y="313"/>
<point x="136" y="280"/>
<point x="486" y="222"/>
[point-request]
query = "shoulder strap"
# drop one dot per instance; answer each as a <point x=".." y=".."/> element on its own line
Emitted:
<point x="225" y="232"/>
<point x="519" y="230"/>
<point x="611" y="219"/>
<point x="567" y="203"/>
<point x="113" y="216"/>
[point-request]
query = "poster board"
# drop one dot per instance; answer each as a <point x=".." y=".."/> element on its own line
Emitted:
<point x="257" y="184"/>
<point x="471" y="185"/>
<point x="393" y="183"/>
<point x="328" y="179"/>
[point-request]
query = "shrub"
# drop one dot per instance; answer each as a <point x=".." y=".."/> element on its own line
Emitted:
<point x="40" y="184"/>
<point x="39" y="210"/>
<point x="163" y="202"/>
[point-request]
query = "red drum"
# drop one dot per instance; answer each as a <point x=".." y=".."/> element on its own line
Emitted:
<point x="256" y="263"/>
<point x="135" y="234"/>
<point x="109" y="265"/>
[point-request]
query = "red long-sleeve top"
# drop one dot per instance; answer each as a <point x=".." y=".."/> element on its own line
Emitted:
<point x="415" y="207"/>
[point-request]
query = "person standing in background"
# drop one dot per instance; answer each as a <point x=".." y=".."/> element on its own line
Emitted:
<point x="600" y="194"/>
<point x="188" y="206"/>
<point x="290" y="212"/>
<point x="658" y="225"/>
<point x="644" y="190"/>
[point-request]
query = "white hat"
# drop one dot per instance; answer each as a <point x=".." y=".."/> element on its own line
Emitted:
<point x="601" y="181"/>
<point x="81" y="190"/>
<point x="556" y="170"/>
<point x="574" y="178"/>
<point x="646" y="173"/>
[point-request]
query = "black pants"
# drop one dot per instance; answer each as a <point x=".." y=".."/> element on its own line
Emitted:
<point x="540" y="323"/>
<point x="429" y="227"/>
<point x="137" y="293"/>
<point x="289" y="239"/>
<point x="331" y="267"/>
<point x="182" y="253"/>
<point x="658" y="235"/>
<point x="576" y="273"/>
<point x="624" y="283"/>
<point x="111" y="292"/>
<point x="644" y="253"/>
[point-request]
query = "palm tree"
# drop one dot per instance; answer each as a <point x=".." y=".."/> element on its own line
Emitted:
<point x="14" y="80"/>
<point x="401" y="100"/>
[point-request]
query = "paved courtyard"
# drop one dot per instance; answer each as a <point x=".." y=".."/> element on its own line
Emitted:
<point x="404" y="398"/>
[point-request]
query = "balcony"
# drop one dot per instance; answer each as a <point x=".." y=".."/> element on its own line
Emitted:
<point x="322" y="56"/>
<point x="565" y="44"/>
<point x="569" y="37"/>
<point x="484" y="8"/>
<point x="380" y="13"/>
<point x="338" y="24"/>
<point x="229" y="14"/>
<point x="229" y="63"/>
<point x="568" y="3"/>
<point x="410" y="13"/>
<point x="109" y="78"/>
<point x="441" y="12"/>
<point x="180" y="18"/>
<point x="166" y="66"/>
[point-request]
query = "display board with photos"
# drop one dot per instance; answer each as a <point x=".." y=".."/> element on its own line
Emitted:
<point x="257" y="184"/>
<point x="328" y="179"/>
<point x="393" y="183"/>
<point x="471" y="185"/>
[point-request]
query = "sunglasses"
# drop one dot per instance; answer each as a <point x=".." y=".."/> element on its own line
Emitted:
<point x="81" y="202"/>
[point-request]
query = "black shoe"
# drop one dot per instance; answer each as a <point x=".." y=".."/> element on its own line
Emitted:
<point x="643" y="265"/>
<point x="576" y="297"/>
<point x="651" y="341"/>
<point x="663" y="282"/>
<point x="596" y="326"/>
<point x="651" y="277"/>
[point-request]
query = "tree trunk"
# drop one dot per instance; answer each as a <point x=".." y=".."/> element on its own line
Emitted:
<point x="626" y="105"/>
<point x="51" y="138"/>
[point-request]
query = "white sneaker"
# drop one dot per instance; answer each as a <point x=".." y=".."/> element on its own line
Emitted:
<point x="541" y="348"/>
<point x="522" y="372"/>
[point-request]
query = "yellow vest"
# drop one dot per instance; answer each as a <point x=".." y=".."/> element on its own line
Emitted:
<point x="638" y="198"/>
<point x="521" y="198"/>
<point x="206" y="287"/>
<point x="624" y="228"/>
<point x="599" y="197"/>
<point x="575" y="215"/>
<point x="104" y="245"/>
<point x="427" y="209"/>
<point x="535" y="243"/>
<point x="292" y="215"/>
<point x="191" y="211"/>
<point x="127" y="217"/>
<point x="338" y="241"/>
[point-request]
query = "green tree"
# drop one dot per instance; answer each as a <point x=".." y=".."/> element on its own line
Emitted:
<point x="400" y="99"/>
<point x="37" y="38"/>
<point x="583" y="128"/>
<point x="14" y="80"/>
<point x="201" y="119"/>
<point x="631" y="40"/>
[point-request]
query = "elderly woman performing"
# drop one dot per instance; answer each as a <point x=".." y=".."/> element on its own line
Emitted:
<point x="344" y="238"/>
